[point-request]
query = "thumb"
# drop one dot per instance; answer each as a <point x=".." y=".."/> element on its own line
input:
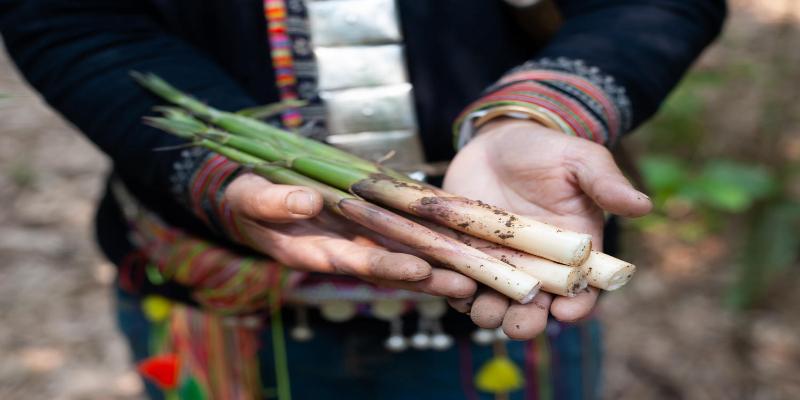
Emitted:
<point x="256" y="198"/>
<point x="601" y="179"/>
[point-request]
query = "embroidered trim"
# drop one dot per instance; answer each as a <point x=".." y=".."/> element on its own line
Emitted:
<point x="199" y="180"/>
<point x="293" y="60"/>
<point x="282" y="60"/>
<point x="579" y="98"/>
<point x="223" y="280"/>
<point x="183" y="170"/>
<point x="612" y="90"/>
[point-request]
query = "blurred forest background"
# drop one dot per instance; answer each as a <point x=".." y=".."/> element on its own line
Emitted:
<point x="713" y="314"/>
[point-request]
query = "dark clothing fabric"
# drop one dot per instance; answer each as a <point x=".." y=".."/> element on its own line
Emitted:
<point x="78" y="54"/>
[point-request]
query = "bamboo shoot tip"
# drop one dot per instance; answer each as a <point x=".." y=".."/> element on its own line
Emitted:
<point x="529" y="297"/>
<point x="584" y="250"/>
<point x="621" y="277"/>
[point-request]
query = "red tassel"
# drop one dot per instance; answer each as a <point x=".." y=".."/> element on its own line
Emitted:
<point x="162" y="370"/>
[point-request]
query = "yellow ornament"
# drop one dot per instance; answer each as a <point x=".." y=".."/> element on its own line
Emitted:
<point x="156" y="308"/>
<point x="499" y="375"/>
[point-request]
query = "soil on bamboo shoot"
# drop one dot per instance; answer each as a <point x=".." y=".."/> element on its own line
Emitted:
<point x="478" y="219"/>
<point x="471" y="262"/>
<point x="556" y="278"/>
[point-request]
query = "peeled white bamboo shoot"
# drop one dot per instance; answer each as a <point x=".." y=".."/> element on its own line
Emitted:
<point x="606" y="272"/>
<point x="479" y="219"/>
<point x="556" y="278"/>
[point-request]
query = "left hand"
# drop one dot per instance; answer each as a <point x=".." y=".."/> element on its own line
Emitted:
<point x="288" y="224"/>
<point x="553" y="177"/>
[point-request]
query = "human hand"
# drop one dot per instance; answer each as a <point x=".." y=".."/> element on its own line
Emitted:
<point x="553" y="177"/>
<point x="288" y="223"/>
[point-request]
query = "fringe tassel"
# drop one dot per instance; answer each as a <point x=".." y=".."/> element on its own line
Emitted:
<point x="222" y="357"/>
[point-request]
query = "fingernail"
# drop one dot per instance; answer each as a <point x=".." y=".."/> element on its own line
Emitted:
<point x="300" y="202"/>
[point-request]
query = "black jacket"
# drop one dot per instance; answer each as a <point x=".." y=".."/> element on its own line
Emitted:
<point x="78" y="53"/>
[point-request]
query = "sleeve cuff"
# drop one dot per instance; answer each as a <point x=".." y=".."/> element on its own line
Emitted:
<point x="199" y="179"/>
<point x="577" y="99"/>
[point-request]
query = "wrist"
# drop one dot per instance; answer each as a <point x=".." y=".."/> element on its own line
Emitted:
<point x="504" y="137"/>
<point x="564" y="95"/>
<point x="503" y="123"/>
<point x="488" y="110"/>
<point x="199" y="181"/>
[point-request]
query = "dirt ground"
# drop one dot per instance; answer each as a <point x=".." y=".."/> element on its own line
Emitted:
<point x="57" y="337"/>
<point x="668" y="335"/>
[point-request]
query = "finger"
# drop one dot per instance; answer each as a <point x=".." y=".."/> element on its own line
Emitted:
<point x="488" y="309"/>
<point x="526" y="321"/>
<point x="441" y="283"/>
<point x="375" y="263"/>
<point x="572" y="309"/>
<point x="461" y="305"/>
<point x="396" y="246"/>
<point x="349" y="258"/>
<point x="256" y="198"/>
<point x="359" y="234"/>
<point x="306" y="247"/>
<point x="601" y="179"/>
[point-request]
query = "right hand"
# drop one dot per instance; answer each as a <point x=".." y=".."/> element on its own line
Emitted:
<point x="288" y="224"/>
<point x="563" y="180"/>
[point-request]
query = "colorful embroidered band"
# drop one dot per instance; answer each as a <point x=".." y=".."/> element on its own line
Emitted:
<point x="197" y="355"/>
<point x="199" y="180"/>
<point x="220" y="279"/>
<point x="579" y="99"/>
<point x="282" y="58"/>
<point x="206" y="188"/>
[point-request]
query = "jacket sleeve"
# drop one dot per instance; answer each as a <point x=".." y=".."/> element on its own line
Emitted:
<point x="79" y="53"/>
<point x="607" y="69"/>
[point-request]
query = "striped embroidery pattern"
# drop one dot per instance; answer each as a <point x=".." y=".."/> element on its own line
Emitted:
<point x="207" y="188"/>
<point x="282" y="59"/>
<point x="466" y="369"/>
<point x="589" y="94"/>
<point x="532" y="359"/>
<point x="295" y="66"/>
<point x="609" y="89"/>
<point x="221" y="356"/>
<point x="565" y="110"/>
<point x="577" y="98"/>
<point x="292" y="57"/>
<point x="198" y="181"/>
<point x="222" y="280"/>
<point x="231" y="225"/>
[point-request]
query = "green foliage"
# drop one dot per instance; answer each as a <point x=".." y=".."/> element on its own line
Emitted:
<point x="22" y="174"/>
<point x="713" y="192"/>
<point x="664" y="175"/>
<point x="680" y="123"/>
<point x="719" y="185"/>
<point x="699" y="191"/>
<point x="729" y="186"/>
<point x="772" y="245"/>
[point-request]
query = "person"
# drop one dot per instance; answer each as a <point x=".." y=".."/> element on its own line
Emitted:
<point x="217" y="265"/>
